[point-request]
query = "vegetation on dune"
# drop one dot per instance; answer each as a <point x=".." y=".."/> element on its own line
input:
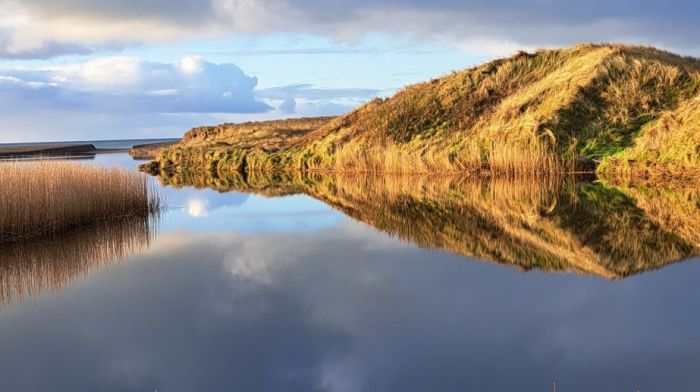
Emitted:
<point x="229" y="145"/>
<point x="149" y="151"/>
<point x="46" y="198"/>
<point x="666" y="150"/>
<point x="554" y="224"/>
<point x="266" y="135"/>
<point x="535" y="114"/>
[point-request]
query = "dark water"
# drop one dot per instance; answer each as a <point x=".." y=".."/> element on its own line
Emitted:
<point x="357" y="285"/>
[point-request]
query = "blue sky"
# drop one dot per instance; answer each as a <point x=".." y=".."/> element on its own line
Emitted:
<point x="105" y="69"/>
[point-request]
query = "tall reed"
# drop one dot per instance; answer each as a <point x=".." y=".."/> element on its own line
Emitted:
<point x="41" y="199"/>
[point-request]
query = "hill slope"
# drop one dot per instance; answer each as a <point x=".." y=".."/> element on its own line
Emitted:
<point x="530" y="114"/>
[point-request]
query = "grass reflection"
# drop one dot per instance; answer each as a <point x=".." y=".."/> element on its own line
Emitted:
<point x="556" y="224"/>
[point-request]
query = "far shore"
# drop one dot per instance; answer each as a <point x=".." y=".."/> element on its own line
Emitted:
<point x="32" y="151"/>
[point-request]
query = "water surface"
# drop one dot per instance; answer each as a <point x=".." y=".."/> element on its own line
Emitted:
<point x="347" y="284"/>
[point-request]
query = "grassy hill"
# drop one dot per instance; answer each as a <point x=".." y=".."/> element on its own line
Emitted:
<point x="635" y="109"/>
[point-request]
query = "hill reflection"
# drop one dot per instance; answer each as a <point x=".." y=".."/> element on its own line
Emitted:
<point x="31" y="268"/>
<point x="559" y="225"/>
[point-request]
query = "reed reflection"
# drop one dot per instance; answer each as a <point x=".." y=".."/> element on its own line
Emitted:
<point x="557" y="225"/>
<point x="29" y="269"/>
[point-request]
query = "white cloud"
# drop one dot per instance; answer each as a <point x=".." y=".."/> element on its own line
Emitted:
<point x="167" y="91"/>
<point x="191" y="65"/>
<point x="310" y="100"/>
<point x="491" y="47"/>
<point x="123" y="84"/>
<point x="126" y="97"/>
<point x="104" y="74"/>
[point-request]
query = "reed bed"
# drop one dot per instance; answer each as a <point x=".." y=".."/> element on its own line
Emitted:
<point x="41" y="199"/>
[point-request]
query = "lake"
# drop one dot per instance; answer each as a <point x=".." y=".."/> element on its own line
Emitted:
<point x="302" y="283"/>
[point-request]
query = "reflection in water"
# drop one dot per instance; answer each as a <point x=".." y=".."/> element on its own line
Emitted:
<point x="557" y="225"/>
<point x="227" y="301"/>
<point x="346" y="309"/>
<point x="32" y="268"/>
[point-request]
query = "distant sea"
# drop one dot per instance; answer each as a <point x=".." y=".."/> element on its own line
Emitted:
<point x="117" y="144"/>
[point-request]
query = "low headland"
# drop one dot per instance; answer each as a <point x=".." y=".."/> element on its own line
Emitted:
<point x="627" y="113"/>
<point x="150" y="150"/>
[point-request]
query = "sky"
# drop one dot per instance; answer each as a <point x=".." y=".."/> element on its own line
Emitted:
<point x="107" y="69"/>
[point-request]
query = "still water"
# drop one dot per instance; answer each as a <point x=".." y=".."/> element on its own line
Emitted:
<point x="303" y="284"/>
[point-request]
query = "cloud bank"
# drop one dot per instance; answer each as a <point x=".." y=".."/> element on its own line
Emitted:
<point x="125" y="97"/>
<point x="35" y="28"/>
<point x="122" y="97"/>
<point x="128" y="85"/>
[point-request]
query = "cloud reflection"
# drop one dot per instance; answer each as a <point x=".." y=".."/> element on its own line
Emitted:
<point x="197" y="208"/>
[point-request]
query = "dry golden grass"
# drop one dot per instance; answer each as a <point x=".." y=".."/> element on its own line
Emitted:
<point x="667" y="151"/>
<point x="45" y="198"/>
<point x="268" y="135"/>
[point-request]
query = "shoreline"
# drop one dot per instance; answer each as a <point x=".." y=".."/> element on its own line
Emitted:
<point x="47" y="151"/>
